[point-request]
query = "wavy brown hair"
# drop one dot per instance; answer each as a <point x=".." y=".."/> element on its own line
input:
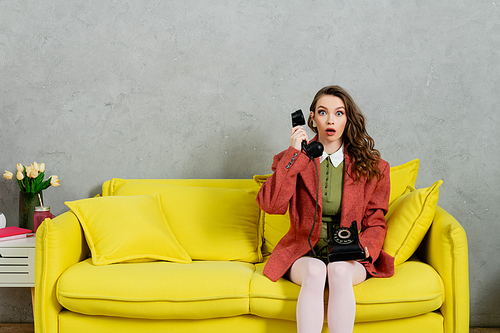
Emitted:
<point x="357" y="143"/>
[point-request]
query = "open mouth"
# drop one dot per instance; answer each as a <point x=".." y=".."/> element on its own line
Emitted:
<point x="330" y="131"/>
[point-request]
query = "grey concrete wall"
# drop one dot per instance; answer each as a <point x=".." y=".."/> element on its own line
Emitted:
<point x="199" y="89"/>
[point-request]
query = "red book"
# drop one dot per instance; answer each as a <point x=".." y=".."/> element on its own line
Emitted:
<point x="13" y="231"/>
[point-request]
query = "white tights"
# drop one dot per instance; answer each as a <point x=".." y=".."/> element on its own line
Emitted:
<point x="311" y="274"/>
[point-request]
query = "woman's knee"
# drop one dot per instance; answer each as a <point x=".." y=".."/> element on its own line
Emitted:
<point x="316" y="269"/>
<point x="309" y="269"/>
<point x="340" y="270"/>
<point x="347" y="271"/>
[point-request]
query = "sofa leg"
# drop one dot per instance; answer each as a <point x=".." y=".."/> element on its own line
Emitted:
<point x="33" y="299"/>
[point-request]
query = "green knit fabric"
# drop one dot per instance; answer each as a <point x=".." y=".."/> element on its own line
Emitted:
<point x="332" y="180"/>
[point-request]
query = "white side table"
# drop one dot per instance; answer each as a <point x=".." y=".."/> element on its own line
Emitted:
<point x="17" y="264"/>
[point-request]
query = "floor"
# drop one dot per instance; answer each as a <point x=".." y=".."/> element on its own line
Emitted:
<point x="17" y="328"/>
<point x="28" y="328"/>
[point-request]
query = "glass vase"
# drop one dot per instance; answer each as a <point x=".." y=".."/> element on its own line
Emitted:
<point x="27" y="203"/>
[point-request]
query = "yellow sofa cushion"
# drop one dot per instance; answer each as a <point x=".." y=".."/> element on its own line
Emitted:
<point x="408" y="219"/>
<point x="414" y="289"/>
<point x="157" y="290"/>
<point x="131" y="228"/>
<point x="275" y="227"/>
<point x="165" y="290"/>
<point x="210" y="223"/>
<point x="402" y="176"/>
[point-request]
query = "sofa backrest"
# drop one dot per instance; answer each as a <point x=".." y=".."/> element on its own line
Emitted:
<point x="410" y="213"/>
<point x="109" y="187"/>
<point x="212" y="219"/>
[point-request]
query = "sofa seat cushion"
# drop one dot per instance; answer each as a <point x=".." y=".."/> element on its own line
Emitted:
<point x="416" y="288"/>
<point x="157" y="290"/>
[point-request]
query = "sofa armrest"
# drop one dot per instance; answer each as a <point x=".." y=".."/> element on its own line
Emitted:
<point x="445" y="249"/>
<point x="60" y="243"/>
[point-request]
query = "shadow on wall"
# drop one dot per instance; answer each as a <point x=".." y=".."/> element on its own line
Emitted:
<point x="235" y="155"/>
<point x="488" y="302"/>
<point x="7" y="192"/>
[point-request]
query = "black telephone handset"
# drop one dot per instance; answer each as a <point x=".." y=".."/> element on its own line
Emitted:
<point x="312" y="150"/>
<point x="315" y="148"/>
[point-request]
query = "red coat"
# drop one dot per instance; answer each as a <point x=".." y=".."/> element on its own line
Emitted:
<point x="293" y="186"/>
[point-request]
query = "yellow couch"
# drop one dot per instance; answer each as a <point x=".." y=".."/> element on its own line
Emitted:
<point x="214" y="283"/>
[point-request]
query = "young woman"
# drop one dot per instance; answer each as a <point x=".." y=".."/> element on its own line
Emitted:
<point x="354" y="186"/>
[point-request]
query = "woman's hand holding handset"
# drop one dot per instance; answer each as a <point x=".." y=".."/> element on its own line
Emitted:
<point x="298" y="135"/>
<point x="367" y="255"/>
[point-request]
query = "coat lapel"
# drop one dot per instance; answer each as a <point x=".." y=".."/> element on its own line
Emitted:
<point x="311" y="178"/>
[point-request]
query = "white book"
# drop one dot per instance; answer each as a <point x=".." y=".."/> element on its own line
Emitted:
<point x="2" y="239"/>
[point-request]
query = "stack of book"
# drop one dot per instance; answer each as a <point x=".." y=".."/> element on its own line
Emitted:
<point x="10" y="233"/>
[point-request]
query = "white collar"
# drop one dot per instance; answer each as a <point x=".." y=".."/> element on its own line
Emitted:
<point x="336" y="158"/>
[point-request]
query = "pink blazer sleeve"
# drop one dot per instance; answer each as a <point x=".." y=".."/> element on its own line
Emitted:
<point x="275" y="194"/>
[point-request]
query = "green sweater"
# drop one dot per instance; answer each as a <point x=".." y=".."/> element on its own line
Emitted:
<point x="332" y="180"/>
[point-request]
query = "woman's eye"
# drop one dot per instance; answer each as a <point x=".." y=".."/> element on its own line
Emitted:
<point x="322" y="112"/>
<point x="339" y="113"/>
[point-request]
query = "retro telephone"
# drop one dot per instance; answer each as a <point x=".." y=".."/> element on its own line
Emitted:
<point x="344" y="243"/>
<point x="315" y="148"/>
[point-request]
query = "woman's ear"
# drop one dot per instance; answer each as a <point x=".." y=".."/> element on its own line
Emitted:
<point x="312" y="122"/>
